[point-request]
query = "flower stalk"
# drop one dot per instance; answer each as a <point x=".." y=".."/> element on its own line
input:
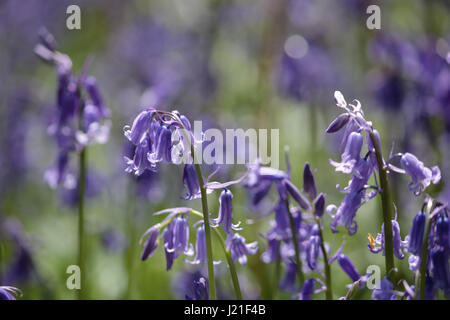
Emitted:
<point x="300" y="275"/>
<point x="329" y="290"/>
<point x="387" y="209"/>
<point x="209" y="254"/>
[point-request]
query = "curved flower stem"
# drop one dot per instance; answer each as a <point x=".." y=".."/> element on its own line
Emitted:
<point x="300" y="274"/>
<point x="387" y="210"/>
<point x="423" y="259"/>
<point x="329" y="291"/>
<point x="209" y="254"/>
<point x="234" y="277"/>
<point x="81" y="249"/>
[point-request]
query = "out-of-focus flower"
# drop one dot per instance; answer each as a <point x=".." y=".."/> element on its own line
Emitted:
<point x="239" y="249"/>
<point x="9" y="293"/>
<point x="385" y="292"/>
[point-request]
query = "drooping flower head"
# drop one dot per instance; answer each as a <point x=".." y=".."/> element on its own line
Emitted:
<point x="239" y="249"/>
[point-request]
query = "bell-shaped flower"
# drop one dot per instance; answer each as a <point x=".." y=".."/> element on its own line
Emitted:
<point x="235" y="243"/>
<point x="421" y="176"/>
<point x="415" y="237"/>
<point x="226" y="213"/>
<point x="140" y="126"/>
<point x="351" y="154"/>
<point x="151" y="244"/>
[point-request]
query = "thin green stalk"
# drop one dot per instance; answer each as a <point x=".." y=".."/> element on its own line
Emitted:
<point x="209" y="254"/>
<point x="233" y="273"/>
<point x="81" y="243"/>
<point x="329" y="291"/>
<point x="300" y="274"/>
<point x="387" y="211"/>
<point x="423" y="259"/>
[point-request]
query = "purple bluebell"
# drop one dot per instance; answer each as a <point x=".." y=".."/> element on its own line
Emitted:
<point x="442" y="233"/>
<point x="289" y="281"/>
<point x="350" y="157"/>
<point x="226" y="213"/>
<point x="272" y="252"/>
<point x="312" y="248"/>
<point x="385" y="292"/>
<point x="309" y="185"/>
<point x="201" y="290"/>
<point x="235" y="243"/>
<point x="346" y="212"/>
<point x="295" y="193"/>
<point x="421" y="176"/>
<point x="139" y="128"/>
<point x="338" y="123"/>
<point x="8" y="293"/>
<point x="140" y="162"/>
<point x="190" y="181"/>
<point x="308" y="289"/>
<point x="399" y="245"/>
<point x="151" y="244"/>
<point x="441" y="269"/>
<point x="200" y="247"/>
<point x="180" y="242"/>
<point x="319" y="205"/>
<point x="348" y="267"/>
<point x="163" y="147"/>
<point x="416" y="233"/>
<point x="94" y="93"/>
<point x="168" y="245"/>
<point x="282" y="224"/>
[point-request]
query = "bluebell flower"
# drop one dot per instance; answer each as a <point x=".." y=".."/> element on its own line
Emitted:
<point x="200" y="247"/>
<point x="308" y="289"/>
<point x="399" y="245"/>
<point x="226" y="213"/>
<point x="201" y="290"/>
<point x="191" y="183"/>
<point x="351" y="154"/>
<point x="295" y="193"/>
<point x="272" y="253"/>
<point x="421" y="176"/>
<point x="309" y="185"/>
<point x="163" y="147"/>
<point x="8" y="293"/>
<point x="91" y="86"/>
<point x="235" y="243"/>
<point x="338" y="123"/>
<point x="346" y="212"/>
<point x="168" y="245"/>
<point x="151" y="244"/>
<point x="415" y="237"/>
<point x="282" y="224"/>
<point x="385" y="292"/>
<point x="140" y="161"/>
<point x="443" y="233"/>
<point x="289" y="281"/>
<point x="441" y="269"/>
<point x="140" y="126"/>
<point x="348" y="267"/>
<point x="180" y="243"/>
<point x="312" y="248"/>
<point x="319" y="205"/>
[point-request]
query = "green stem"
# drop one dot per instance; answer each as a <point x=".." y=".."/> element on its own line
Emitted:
<point x="81" y="244"/>
<point x="423" y="259"/>
<point x="300" y="275"/>
<point x="233" y="273"/>
<point x="329" y="291"/>
<point x="131" y="254"/>
<point x="209" y="254"/>
<point x="387" y="208"/>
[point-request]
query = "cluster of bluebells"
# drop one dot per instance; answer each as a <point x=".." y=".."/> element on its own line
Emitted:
<point x="306" y="217"/>
<point x="81" y="117"/>
<point x="438" y="250"/>
<point x="361" y="168"/>
<point x="160" y="136"/>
